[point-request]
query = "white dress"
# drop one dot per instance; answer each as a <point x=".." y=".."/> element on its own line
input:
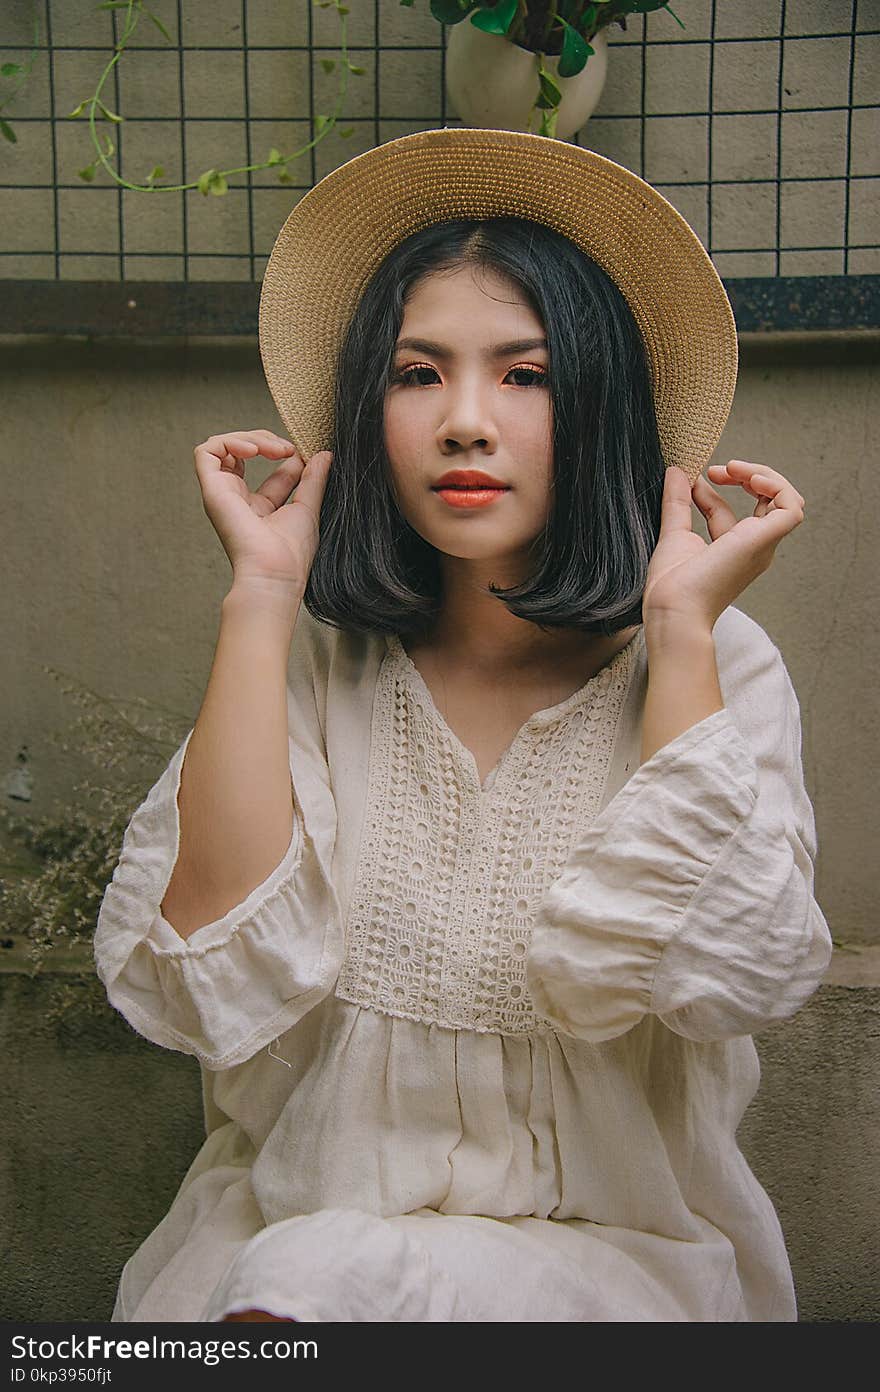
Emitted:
<point x="480" y="1052"/>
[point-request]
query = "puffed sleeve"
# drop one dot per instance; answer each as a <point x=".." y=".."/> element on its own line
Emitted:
<point x="236" y="984"/>
<point x="691" y="894"/>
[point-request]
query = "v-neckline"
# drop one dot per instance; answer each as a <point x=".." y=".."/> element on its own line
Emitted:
<point x="540" y="719"/>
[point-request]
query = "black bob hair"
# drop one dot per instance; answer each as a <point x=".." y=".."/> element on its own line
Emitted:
<point x="372" y="571"/>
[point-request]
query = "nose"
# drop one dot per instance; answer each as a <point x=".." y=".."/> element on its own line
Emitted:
<point x="467" y="420"/>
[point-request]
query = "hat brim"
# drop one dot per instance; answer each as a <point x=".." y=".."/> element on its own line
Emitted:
<point x="340" y="231"/>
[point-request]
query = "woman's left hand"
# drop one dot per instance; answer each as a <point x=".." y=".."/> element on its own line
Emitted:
<point x="693" y="580"/>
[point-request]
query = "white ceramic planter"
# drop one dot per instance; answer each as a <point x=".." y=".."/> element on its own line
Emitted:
<point x="493" y="83"/>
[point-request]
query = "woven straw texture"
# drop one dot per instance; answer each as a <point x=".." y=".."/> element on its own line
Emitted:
<point x="340" y="231"/>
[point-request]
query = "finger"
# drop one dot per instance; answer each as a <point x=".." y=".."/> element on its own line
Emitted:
<point x="719" y="515"/>
<point x="242" y="444"/>
<point x="258" y="435"/>
<point x="270" y="437"/>
<point x="736" y="472"/>
<point x="776" y="498"/>
<point x="226" y="453"/>
<point x="220" y="454"/>
<point x="309" y="491"/>
<point x="782" y="493"/>
<point x="277" y="487"/>
<point x="766" y="532"/>
<point x="675" y="511"/>
<point x="777" y="490"/>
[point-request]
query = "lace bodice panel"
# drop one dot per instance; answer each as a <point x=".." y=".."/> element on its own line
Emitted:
<point x="450" y="873"/>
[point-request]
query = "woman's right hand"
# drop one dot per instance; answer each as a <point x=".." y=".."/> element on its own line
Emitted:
<point x="265" y="536"/>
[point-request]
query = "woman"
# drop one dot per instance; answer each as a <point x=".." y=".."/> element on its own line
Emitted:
<point x="473" y="978"/>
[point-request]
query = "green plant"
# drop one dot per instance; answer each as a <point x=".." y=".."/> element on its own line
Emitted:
<point x="554" y="27"/>
<point x="57" y="867"/>
<point x="544" y="27"/>
<point x="210" y="181"/>
<point x="23" y="72"/>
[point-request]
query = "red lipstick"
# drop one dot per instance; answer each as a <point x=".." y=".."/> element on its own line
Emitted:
<point x="468" y="478"/>
<point x="469" y="488"/>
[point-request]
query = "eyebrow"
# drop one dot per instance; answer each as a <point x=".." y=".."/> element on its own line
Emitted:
<point x="495" y="350"/>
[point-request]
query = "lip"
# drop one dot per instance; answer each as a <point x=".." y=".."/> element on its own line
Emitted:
<point x="468" y="478"/>
<point x="470" y="498"/>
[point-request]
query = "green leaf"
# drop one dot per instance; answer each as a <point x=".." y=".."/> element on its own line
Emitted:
<point x="7" y="132"/>
<point x="328" y="64"/>
<point x="320" y="123"/>
<point x="575" y="51"/>
<point x="284" y="177"/>
<point x="452" y="11"/>
<point x="345" y="131"/>
<point x="588" y="20"/>
<point x="158" y="23"/>
<point x="10" y="69"/>
<point x="111" y="115"/>
<point x="77" y="110"/>
<point x="88" y="173"/>
<point x="157" y="172"/>
<point x="212" y="181"/>
<point x="274" y="156"/>
<point x="497" y="20"/>
<point x="360" y="71"/>
<point x="551" y="95"/>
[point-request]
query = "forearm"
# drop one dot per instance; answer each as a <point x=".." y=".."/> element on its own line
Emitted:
<point x="683" y="685"/>
<point x="235" y="798"/>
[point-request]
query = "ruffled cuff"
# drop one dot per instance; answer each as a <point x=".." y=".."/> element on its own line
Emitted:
<point x="237" y="983"/>
<point x="602" y="927"/>
<point x="691" y="895"/>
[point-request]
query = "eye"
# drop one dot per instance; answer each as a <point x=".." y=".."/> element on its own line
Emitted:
<point x="538" y="375"/>
<point x="405" y="375"/>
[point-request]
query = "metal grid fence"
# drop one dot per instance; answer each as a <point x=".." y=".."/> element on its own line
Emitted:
<point x="759" y="121"/>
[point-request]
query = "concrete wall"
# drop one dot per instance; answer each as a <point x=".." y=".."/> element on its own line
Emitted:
<point x="115" y="574"/>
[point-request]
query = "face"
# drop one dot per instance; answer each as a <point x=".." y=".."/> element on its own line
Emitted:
<point x="471" y="393"/>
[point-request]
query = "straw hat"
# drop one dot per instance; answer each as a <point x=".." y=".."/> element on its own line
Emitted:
<point x="341" y="229"/>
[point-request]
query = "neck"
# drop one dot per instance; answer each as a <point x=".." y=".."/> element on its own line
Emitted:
<point x="475" y="632"/>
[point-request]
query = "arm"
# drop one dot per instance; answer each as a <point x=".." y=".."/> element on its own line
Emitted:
<point x="230" y="986"/>
<point x="211" y="842"/>
<point x="683" y="686"/>
<point x="235" y="798"/>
